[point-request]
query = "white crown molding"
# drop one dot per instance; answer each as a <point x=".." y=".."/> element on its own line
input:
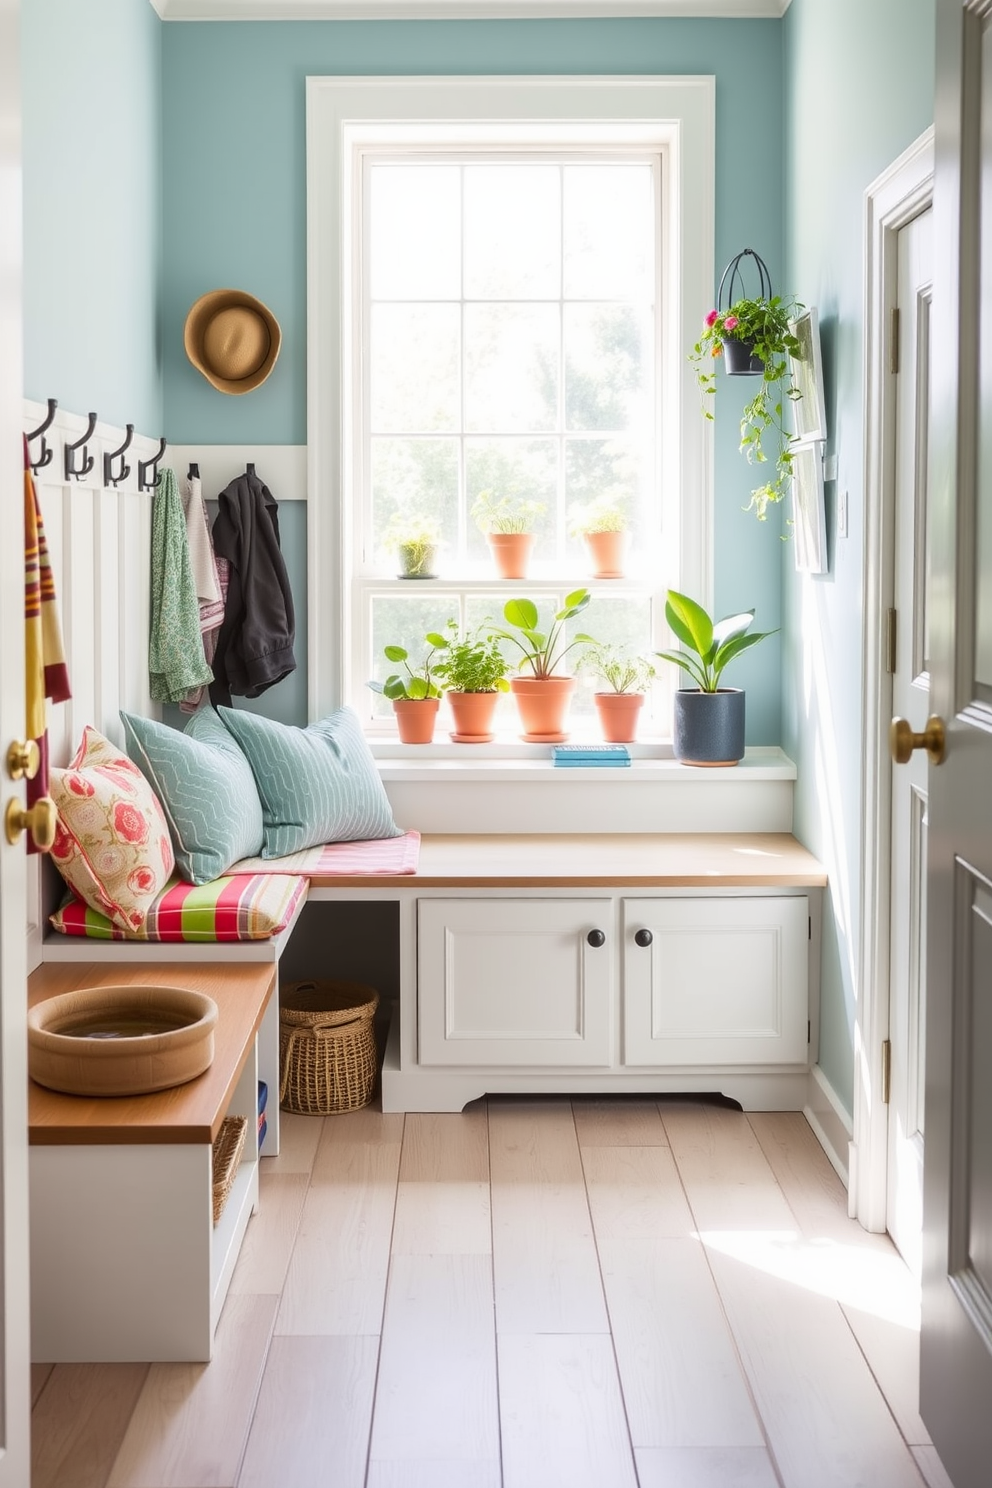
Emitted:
<point x="476" y="10"/>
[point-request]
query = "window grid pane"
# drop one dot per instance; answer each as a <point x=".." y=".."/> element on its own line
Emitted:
<point x="548" y="399"/>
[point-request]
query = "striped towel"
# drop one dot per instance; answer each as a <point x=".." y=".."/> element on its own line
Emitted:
<point x="386" y="855"/>
<point x="46" y="674"/>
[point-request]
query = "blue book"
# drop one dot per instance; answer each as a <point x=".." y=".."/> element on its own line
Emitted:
<point x="592" y="763"/>
<point x="569" y="752"/>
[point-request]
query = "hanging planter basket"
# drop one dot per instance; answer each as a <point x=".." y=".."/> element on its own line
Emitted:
<point x="738" y="357"/>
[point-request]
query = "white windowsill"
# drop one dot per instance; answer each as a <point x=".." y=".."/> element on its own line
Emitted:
<point x="501" y="761"/>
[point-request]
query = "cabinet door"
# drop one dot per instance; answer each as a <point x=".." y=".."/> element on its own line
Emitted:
<point x="721" y="981"/>
<point x="515" y="981"/>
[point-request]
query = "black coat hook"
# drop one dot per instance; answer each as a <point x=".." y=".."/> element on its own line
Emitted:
<point x="249" y="469"/>
<point x="109" y="478"/>
<point x="194" y="471"/>
<point x="86" y="466"/>
<point x="144" y="466"/>
<point x="45" y="454"/>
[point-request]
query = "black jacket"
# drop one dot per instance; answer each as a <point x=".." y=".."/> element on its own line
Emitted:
<point x="255" y="642"/>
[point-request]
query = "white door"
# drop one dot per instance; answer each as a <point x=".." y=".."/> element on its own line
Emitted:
<point x="14" y="1335"/>
<point x="956" y="1345"/>
<point x="910" y="700"/>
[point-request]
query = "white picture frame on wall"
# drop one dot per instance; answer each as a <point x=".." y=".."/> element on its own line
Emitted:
<point x="809" y="414"/>
<point x="809" y="530"/>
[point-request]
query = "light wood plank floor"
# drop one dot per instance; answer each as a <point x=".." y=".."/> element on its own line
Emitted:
<point x="534" y="1293"/>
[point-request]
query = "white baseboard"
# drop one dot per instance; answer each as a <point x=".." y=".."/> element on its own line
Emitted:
<point x="831" y="1124"/>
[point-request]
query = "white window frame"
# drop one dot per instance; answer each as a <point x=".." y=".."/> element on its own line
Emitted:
<point x="673" y="115"/>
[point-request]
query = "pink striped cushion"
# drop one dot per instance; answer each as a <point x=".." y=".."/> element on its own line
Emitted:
<point x="238" y="907"/>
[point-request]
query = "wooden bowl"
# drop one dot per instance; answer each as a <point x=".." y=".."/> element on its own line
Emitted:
<point x="120" y="1040"/>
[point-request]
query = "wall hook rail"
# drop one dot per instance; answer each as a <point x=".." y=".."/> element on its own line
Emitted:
<point x="45" y="453"/>
<point x="109" y="478"/>
<point x="86" y="460"/>
<point x="146" y="466"/>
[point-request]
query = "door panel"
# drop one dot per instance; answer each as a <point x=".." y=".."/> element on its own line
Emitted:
<point x="515" y="982"/>
<point x="722" y="981"/>
<point x="14" y="1340"/>
<point x="910" y="699"/>
<point x="956" y="1340"/>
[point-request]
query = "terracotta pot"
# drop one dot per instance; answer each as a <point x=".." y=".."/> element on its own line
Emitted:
<point x="472" y="714"/>
<point x="618" y="715"/>
<point x="415" y="718"/>
<point x="542" y="703"/>
<point x="607" y="551"/>
<point x="511" y="553"/>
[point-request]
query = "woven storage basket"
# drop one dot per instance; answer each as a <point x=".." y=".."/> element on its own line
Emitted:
<point x="227" y="1150"/>
<point x="327" y="1053"/>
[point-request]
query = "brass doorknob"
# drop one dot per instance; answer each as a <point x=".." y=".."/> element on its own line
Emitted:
<point x="39" y="820"/>
<point x="23" y="759"/>
<point x="902" y="740"/>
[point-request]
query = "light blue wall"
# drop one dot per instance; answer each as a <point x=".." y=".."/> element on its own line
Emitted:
<point x="92" y="195"/>
<point x="859" y="90"/>
<point x="235" y="214"/>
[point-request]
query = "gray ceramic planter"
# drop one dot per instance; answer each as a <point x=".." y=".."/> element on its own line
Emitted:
<point x="709" y="726"/>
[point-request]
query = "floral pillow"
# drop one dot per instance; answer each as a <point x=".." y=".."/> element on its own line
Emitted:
<point x="112" y="843"/>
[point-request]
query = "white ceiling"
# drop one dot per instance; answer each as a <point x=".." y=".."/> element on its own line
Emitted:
<point x="393" y="10"/>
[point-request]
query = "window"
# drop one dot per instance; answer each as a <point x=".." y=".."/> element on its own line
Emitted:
<point x="499" y="274"/>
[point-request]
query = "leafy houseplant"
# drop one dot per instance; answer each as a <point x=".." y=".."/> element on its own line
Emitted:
<point x="416" y="696"/>
<point x="628" y="677"/>
<point x="542" y="652"/>
<point x="764" y="326"/>
<point x="416" y="540"/>
<point x="709" y="719"/>
<point x="473" y="669"/>
<point x="602" y="525"/>
<point x="508" y="524"/>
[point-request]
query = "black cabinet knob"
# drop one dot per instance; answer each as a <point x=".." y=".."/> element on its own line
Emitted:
<point x="643" y="937"/>
<point x="596" y="937"/>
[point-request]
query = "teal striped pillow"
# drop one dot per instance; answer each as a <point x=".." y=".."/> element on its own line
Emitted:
<point x="206" y="788"/>
<point x="317" y="784"/>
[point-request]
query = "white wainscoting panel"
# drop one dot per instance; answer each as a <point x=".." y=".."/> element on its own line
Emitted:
<point x="99" y="540"/>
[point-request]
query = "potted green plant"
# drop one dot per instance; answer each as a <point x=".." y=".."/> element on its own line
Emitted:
<point x="416" y="539"/>
<point x="542" y="696"/>
<point x="602" y="525"/>
<point x="416" y="696"/>
<point x="627" y="676"/>
<point x="507" y="523"/>
<point x="473" y="669"/>
<point x="708" y="719"/>
<point x="755" y="337"/>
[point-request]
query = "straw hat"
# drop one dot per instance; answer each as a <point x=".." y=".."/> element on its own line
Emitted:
<point x="233" y="339"/>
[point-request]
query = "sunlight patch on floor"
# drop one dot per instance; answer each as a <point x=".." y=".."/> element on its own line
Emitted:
<point x="872" y="1281"/>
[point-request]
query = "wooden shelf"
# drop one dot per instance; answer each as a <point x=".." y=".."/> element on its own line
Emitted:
<point x="187" y="1113"/>
<point x="604" y="860"/>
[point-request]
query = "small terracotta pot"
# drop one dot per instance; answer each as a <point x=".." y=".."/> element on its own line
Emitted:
<point x="618" y="715"/>
<point x="472" y="714"/>
<point x="607" y="551"/>
<point x="511" y="553"/>
<point x="542" y="703"/>
<point x="415" y="719"/>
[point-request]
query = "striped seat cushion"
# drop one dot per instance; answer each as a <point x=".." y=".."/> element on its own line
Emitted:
<point x="244" y="906"/>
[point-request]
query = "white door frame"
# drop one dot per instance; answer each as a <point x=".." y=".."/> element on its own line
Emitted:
<point x="892" y="200"/>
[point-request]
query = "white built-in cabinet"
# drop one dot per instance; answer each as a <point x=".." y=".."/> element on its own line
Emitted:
<point x="617" y="990"/>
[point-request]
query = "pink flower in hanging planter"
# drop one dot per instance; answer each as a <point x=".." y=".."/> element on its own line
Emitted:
<point x="730" y="322"/>
<point x="711" y="319"/>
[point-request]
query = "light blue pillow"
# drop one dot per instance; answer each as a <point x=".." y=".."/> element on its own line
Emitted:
<point x="206" y="788"/>
<point x="317" y="784"/>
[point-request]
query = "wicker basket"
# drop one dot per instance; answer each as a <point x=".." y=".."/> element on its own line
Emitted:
<point x="327" y="1052"/>
<point x="227" y="1150"/>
